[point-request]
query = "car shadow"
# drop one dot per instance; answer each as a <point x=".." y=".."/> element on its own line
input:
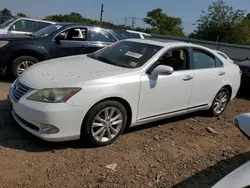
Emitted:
<point x="211" y="175"/>
<point x="6" y="79"/>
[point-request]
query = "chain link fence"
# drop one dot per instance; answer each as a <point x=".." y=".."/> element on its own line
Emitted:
<point x="235" y="52"/>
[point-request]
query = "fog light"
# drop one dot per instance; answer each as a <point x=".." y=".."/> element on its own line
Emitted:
<point x="48" y="129"/>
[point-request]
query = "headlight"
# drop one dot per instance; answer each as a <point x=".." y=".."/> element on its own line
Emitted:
<point x="3" y="43"/>
<point x="54" y="95"/>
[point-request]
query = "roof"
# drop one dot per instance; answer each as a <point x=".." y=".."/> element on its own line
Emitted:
<point x="32" y="19"/>
<point x="80" y="24"/>
<point x="163" y="43"/>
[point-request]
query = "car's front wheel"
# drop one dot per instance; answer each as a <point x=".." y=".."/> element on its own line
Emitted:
<point x="104" y="123"/>
<point x="21" y="63"/>
<point x="220" y="102"/>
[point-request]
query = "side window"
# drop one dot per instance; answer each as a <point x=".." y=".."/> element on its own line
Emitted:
<point x="218" y="63"/>
<point x="41" y="25"/>
<point x="203" y="60"/>
<point x="177" y="58"/>
<point x="24" y="26"/>
<point x="74" y="34"/>
<point x="101" y="35"/>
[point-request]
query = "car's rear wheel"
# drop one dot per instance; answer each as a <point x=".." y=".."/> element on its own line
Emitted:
<point x="21" y="63"/>
<point x="104" y="123"/>
<point x="220" y="102"/>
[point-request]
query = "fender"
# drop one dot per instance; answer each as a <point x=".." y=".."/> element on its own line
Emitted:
<point x="18" y="49"/>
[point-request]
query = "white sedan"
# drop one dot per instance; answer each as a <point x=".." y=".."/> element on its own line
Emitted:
<point x="132" y="82"/>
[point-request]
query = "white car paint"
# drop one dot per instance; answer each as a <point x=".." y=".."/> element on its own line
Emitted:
<point x="240" y="177"/>
<point x="101" y="81"/>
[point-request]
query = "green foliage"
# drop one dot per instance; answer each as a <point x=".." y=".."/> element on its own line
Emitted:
<point x="222" y="23"/>
<point x="161" y="23"/>
<point x="6" y="12"/>
<point x="21" y="15"/>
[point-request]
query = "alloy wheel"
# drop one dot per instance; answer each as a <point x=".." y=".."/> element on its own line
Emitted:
<point x="220" y="102"/>
<point x="107" y="124"/>
<point x="23" y="66"/>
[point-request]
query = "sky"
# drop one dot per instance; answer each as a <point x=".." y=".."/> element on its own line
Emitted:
<point x="116" y="10"/>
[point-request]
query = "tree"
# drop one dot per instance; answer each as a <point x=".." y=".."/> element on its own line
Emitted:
<point x="220" y="23"/>
<point x="21" y="15"/>
<point x="6" y="12"/>
<point x="161" y="23"/>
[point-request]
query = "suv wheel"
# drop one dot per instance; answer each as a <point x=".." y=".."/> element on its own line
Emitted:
<point x="21" y="63"/>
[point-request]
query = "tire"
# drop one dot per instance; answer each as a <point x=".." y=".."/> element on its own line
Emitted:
<point x="17" y="63"/>
<point x="212" y="110"/>
<point x="88" y="130"/>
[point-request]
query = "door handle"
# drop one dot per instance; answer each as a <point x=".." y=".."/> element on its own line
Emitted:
<point x="221" y="73"/>
<point x="187" y="77"/>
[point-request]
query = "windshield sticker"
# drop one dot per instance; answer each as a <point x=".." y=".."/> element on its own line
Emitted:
<point x="133" y="54"/>
<point x="133" y="64"/>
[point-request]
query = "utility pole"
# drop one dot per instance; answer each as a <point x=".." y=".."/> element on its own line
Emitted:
<point x="125" y="23"/>
<point x="133" y="22"/>
<point x="102" y="10"/>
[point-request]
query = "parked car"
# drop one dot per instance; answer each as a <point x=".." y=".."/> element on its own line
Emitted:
<point x="240" y="177"/>
<point x="245" y="68"/>
<point x="129" y="34"/>
<point x="17" y="52"/>
<point x="128" y="83"/>
<point x="17" y="25"/>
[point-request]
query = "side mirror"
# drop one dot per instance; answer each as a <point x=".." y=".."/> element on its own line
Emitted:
<point x="162" y="70"/>
<point x="58" y="38"/>
<point x="242" y="121"/>
<point x="12" y="28"/>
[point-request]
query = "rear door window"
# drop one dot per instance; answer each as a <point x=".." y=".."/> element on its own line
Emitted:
<point x="101" y="35"/>
<point x="23" y="26"/>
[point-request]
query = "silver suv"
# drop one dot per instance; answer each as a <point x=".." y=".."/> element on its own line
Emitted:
<point x="23" y="25"/>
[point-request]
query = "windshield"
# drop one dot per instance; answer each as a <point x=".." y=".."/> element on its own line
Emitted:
<point x="7" y="23"/>
<point x="126" y="54"/>
<point x="47" y="30"/>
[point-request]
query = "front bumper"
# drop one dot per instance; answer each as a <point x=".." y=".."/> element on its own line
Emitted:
<point x="31" y="115"/>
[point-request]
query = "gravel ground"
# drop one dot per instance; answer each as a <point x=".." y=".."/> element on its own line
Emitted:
<point x="179" y="152"/>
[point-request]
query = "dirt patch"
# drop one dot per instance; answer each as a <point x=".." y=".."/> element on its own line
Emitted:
<point x="179" y="152"/>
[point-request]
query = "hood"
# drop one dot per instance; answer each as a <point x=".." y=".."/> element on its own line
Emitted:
<point x="244" y="64"/>
<point x="240" y="177"/>
<point x="2" y="31"/>
<point x="68" y="71"/>
<point x="8" y="36"/>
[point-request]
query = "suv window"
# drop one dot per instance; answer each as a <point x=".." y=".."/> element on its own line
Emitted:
<point x="23" y="25"/>
<point x="41" y="25"/>
<point x="76" y="34"/>
<point x="203" y="60"/>
<point x="101" y="35"/>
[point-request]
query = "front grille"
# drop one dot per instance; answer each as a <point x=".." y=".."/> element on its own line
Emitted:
<point x="19" y="90"/>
